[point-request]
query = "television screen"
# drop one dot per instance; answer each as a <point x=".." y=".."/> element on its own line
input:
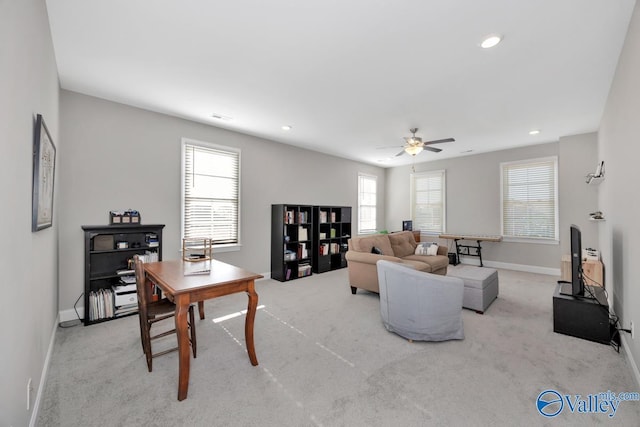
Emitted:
<point x="577" y="283"/>
<point x="407" y="225"/>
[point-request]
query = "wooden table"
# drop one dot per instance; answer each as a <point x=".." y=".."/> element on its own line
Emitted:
<point x="184" y="289"/>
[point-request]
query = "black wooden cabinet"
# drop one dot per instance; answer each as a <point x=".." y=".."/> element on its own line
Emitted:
<point x="107" y="252"/>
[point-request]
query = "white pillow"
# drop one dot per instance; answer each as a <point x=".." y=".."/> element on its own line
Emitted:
<point x="432" y="250"/>
<point x="426" y="249"/>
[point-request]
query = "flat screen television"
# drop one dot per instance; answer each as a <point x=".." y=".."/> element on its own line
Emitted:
<point x="576" y="287"/>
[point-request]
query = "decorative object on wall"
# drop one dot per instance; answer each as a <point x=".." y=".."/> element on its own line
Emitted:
<point x="44" y="163"/>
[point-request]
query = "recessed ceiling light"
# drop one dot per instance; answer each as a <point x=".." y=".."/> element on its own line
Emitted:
<point x="534" y="132"/>
<point x="286" y="127"/>
<point x="490" y="41"/>
<point x="221" y="117"/>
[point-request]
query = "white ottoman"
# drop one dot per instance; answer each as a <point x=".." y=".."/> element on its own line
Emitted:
<point x="480" y="286"/>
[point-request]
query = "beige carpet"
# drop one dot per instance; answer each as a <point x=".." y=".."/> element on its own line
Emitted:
<point x="326" y="360"/>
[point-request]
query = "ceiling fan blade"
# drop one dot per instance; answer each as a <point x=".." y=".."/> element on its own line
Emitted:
<point x="400" y="153"/>
<point x="439" y="141"/>
<point x="434" y="149"/>
<point x="389" y="146"/>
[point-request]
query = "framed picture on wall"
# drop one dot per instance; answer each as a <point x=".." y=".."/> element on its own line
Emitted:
<point x="44" y="165"/>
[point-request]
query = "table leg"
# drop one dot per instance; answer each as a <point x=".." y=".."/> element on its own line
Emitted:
<point x="248" y="324"/>
<point x="201" y="309"/>
<point x="182" y="310"/>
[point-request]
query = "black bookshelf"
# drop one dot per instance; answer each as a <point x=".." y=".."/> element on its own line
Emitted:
<point x="107" y="250"/>
<point x="291" y="241"/>
<point x="331" y="232"/>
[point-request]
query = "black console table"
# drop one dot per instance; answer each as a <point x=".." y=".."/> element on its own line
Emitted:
<point x="583" y="317"/>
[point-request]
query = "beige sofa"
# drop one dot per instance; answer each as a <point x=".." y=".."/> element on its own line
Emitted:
<point x="396" y="247"/>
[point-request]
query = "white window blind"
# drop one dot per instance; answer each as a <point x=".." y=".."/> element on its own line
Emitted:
<point x="530" y="198"/>
<point x="211" y="187"/>
<point x="367" y="202"/>
<point x="428" y="201"/>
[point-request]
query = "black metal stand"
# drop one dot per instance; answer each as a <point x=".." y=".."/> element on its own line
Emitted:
<point x="466" y="250"/>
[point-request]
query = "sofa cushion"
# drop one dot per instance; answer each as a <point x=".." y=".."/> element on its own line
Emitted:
<point x="402" y="243"/>
<point x="436" y="262"/>
<point x="366" y="243"/>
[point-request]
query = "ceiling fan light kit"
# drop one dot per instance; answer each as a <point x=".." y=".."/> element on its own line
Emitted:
<point x="413" y="149"/>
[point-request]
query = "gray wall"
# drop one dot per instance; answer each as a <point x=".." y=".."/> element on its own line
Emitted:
<point x="28" y="261"/>
<point x="473" y="199"/>
<point x="120" y="157"/>
<point x="618" y="147"/>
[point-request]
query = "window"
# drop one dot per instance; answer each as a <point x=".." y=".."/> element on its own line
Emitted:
<point x="428" y="209"/>
<point x="210" y="192"/>
<point x="530" y="198"/>
<point x="367" y="185"/>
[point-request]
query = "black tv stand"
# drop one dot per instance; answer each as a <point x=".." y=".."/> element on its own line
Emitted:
<point x="583" y="317"/>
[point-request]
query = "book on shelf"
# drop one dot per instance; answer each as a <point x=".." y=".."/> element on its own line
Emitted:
<point x="302" y="251"/>
<point x="333" y="217"/>
<point x="302" y="233"/>
<point x="304" y="270"/>
<point x="303" y="217"/>
<point x="324" y="249"/>
<point x="149" y="256"/>
<point x="289" y="217"/>
<point x="323" y="217"/>
<point x="101" y="304"/>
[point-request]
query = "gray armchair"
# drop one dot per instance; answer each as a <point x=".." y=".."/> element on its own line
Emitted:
<point x="420" y="306"/>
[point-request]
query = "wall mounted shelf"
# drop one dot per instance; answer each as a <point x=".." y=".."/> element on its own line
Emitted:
<point x="594" y="180"/>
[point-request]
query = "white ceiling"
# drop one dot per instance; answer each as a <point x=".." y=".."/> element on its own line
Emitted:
<point x="352" y="75"/>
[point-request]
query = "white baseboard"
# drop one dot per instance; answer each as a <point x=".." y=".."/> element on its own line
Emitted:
<point x="43" y="377"/>
<point x="266" y="276"/>
<point x="632" y="362"/>
<point x="67" y="315"/>
<point x="509" y="266"/>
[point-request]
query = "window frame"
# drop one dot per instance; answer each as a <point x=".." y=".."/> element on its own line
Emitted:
<point x="556" y="220"/>
<point x="221" y="247"/>
<point x="361" y="176"/>
<point x="412" y="199"/>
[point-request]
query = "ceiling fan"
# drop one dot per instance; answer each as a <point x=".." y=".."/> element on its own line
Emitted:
<point x="414" y="144"/>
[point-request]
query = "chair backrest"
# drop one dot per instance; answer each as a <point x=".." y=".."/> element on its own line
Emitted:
<point x="141" y="285"/>
<point x="420" y="305"/>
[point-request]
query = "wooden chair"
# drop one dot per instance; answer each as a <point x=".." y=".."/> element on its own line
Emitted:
<point x="151" y="312"/>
